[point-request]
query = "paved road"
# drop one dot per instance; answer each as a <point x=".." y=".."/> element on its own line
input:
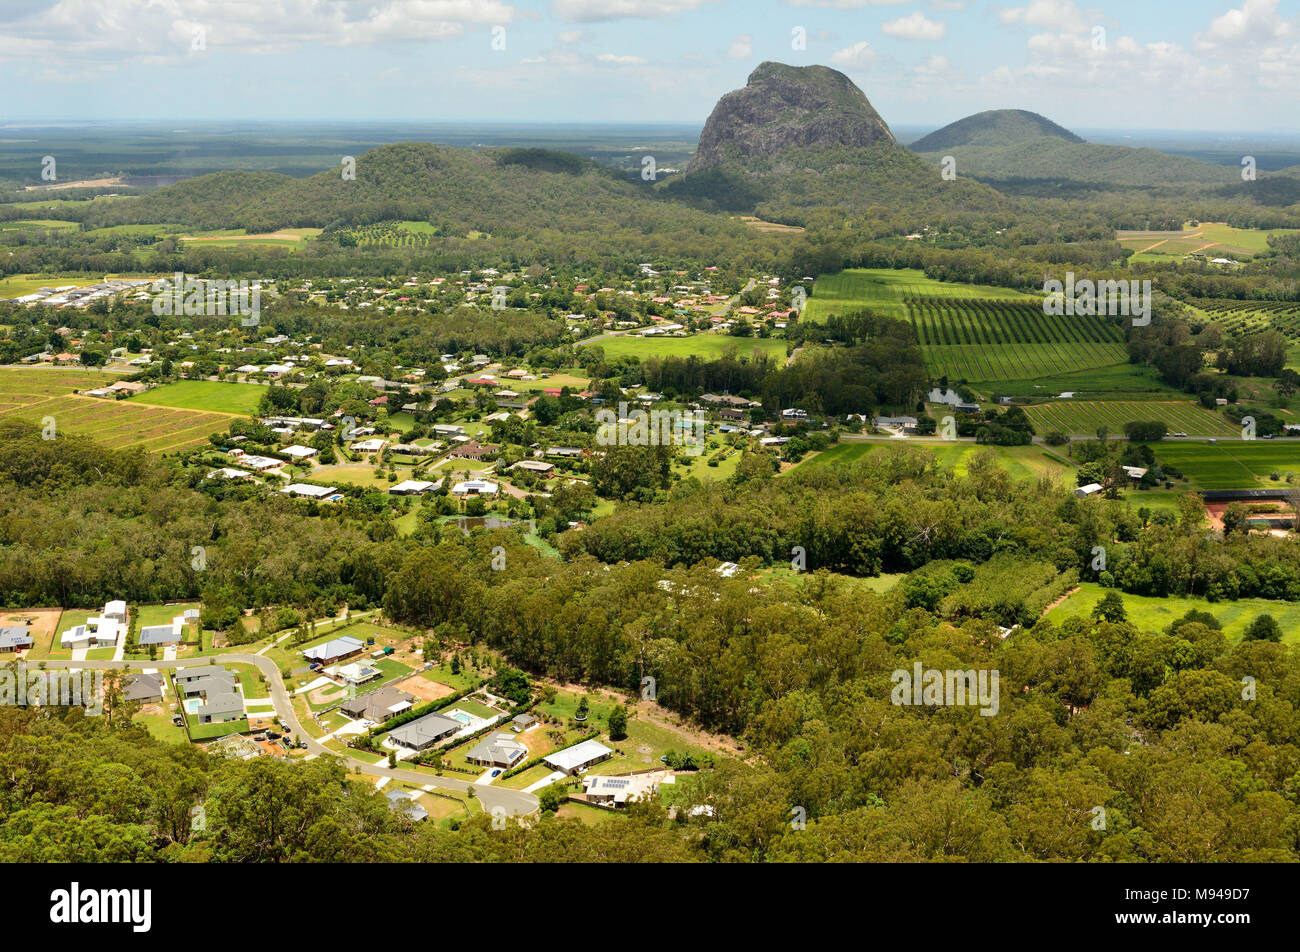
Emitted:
<point x="514" y="802"/>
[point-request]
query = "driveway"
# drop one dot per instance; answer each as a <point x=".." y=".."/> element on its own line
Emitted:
<point x="494" y="799"/>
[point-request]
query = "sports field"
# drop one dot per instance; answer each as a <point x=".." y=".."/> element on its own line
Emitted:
<point x="1155" y="614"/>
<point x="207" y="395"/>
<point x="1086" y="418"/>
<point x="36" y="394"/>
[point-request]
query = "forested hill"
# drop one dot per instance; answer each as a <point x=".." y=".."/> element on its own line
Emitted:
<point x="498" y="192"/>
<point x="992" y="128"/>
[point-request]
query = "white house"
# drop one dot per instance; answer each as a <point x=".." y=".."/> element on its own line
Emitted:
<point x="474" y="487"/>
<point x="105" y="629"/>
<point x="299" y="452"/>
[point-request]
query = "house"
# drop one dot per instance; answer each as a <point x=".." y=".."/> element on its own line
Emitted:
<point x="533" y="465"/>
<point x="619" y="791"/>
<point x="220" y="708"/>
<point x="521" y="722"/>
<point x="205" y="680"/>
<point x="473" y="450"/>
<point x="1135" y="473"/>
<point x="15" y="638"/>
<point x="369" y="446"/>
<point x="334" y="650"/>
<point x="730" y="413"/>
<point x="448" y="429"/>
<point x="567" y="452"/>
<point x="412" y="487"/>
<point x="1088" y="490"/>
<point x="403" y="801"/>
<point x="105" y="629"/>
<point x="574" y="760"/>
<point x="497" y="750"/>
<point x="474" y="487"/>
<point x="727" y="569"/>
<point x="306" y="490"/>
<point x="227" y="473"/>
<point x="357" y="673"/>
<point x="299" y="452"/>
<point x="906" y="423"/>
<point x="145" y="688"/>
<point x="378" y="706"/>
<point x="424" y="731"/>
<point x="259" y="463"/>
<point x="162" y="634"/>
<point x="794" y="413"/>
<point x="948" y="397"/>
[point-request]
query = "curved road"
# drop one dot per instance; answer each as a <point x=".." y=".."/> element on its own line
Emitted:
<point x="513" y="802"/>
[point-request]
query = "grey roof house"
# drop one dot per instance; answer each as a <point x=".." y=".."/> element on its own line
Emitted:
<point x="378" y="706"/>
<point x="15" y="638"/>
<point x="423" y="731"/>
<point x="143" y="688"/>
<point x="497" y="750"/>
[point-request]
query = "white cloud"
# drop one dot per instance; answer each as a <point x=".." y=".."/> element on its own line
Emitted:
<point x="742" y="47"/>
<point x="915" y="27"/>
<point x="1256" y="21"/>
<point x="571" y="36"/>
<point x="858" y="56"/>
<point x="844" y="4"/>
<point x="620" y="60"/>
<point x="1060" y="15"/>
<point x="162" y="30"/>
<point x="591" y="11"/>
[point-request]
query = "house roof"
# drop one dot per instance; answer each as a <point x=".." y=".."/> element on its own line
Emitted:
<point x="159" y="635"/>
<point x="501" y="749"/>
<point x="378" y="705"/>
<point x="578" y="755"/>
<point x="142" y="686"/>
<point x="404" y="802"/>
<point x="335" y="648"/>
<point x="425" y="730"/>
<point x="226" y="702"/>
<point x="15" y="637"/>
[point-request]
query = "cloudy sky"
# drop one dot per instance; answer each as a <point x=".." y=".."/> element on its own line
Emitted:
<point x="1228" y="65"/>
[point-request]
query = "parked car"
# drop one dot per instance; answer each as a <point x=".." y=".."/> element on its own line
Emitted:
<point x="274" y="735"/>
<point x="496" y="772"/>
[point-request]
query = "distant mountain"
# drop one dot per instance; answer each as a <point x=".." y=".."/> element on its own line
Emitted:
<point x="782" y="108"/>
<point x="800" y="137"/>
<point x="1022" y="152"/>
<point x="997" y="127"/>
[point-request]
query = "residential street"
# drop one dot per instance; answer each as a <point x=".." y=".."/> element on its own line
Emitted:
<point x="513" y="802"/>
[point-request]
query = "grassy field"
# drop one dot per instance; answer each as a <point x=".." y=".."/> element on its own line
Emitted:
<point x="1234" y="465"/>
<point x="1213" y="239"/>
<point x="1019" y="461"/>
<point x="33" y="394"/>
<point x="1086" y="417"/>
<point x="207" y="395"/>
<point x="708" y="346"/>
<point x="1154" y="614"/>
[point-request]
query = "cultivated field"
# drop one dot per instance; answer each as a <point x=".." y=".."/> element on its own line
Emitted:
<point x="973" y="332"/>
<point x="886" y="291"/>
<point x="34" y="394"/>
<point x="995" y="340"/>
<point x="1086" y="418"/>
<point x="1245" y="317"/>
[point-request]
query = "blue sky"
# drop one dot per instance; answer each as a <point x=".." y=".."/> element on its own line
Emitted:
<point x="1229" y="65"/>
